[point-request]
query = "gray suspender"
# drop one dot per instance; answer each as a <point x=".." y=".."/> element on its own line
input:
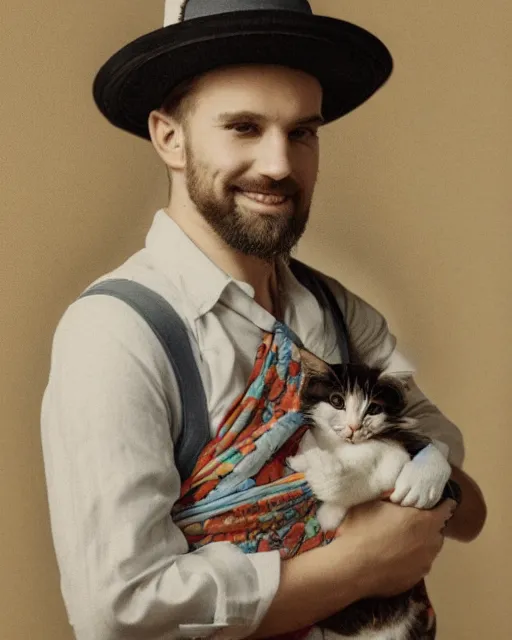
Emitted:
<point x="170" y="330"/>
<point x="312" y="280"/>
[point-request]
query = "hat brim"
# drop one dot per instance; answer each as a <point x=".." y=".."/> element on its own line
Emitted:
<point x="350" y="63"/>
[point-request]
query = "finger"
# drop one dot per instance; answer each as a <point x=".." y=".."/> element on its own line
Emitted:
<point x="451" y="506"/>
<point x="444" y="511"/>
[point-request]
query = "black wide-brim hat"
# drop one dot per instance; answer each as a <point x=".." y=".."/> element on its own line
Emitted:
<point x="350" y="63"/>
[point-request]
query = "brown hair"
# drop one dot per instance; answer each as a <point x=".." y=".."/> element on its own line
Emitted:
<point x="180" y="101"/>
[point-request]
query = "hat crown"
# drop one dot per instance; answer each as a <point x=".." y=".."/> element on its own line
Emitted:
<point x="176" y="11"/>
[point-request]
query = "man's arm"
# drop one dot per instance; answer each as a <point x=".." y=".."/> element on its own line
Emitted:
<point x="108" y="454"/>
<point x="469" y="518"/>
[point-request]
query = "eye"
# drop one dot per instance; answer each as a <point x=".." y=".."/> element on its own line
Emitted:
<point x="303" y="133"/>
<point x="374" y="409"/>
<point x="243" y="128"/>
<point x="337" y="401"/>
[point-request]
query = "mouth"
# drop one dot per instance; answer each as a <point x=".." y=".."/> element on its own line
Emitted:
<point x="275" y="201"/>
<point x="343" y="436"/>
<point x="350" y="438"/>
<point x="265" y="198"/>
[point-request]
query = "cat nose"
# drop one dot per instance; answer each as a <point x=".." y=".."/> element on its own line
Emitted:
<point x="353" y="427"/>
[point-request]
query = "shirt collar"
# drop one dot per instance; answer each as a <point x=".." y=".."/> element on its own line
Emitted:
<point x="200" y="280"/>
<point x="202" y="283"/>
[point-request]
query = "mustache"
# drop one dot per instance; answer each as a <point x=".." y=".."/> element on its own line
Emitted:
<point x="285" y="187"/>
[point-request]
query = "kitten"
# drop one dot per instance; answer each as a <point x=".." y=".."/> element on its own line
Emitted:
<point x="359" y="433"/>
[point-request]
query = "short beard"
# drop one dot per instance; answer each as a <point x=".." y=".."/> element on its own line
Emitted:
<point x="262" y="236"/>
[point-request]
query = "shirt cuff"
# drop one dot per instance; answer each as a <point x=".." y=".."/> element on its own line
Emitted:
<point x="268" y="567"/>
<point x="268" y="570"/>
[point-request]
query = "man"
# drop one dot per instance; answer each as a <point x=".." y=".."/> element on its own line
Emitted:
<point x="231" y="97"/>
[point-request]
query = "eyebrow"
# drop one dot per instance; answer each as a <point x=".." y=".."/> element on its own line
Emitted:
<point x="234" y="116"/>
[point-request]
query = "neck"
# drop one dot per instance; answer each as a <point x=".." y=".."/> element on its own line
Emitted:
<point x="260" y="274"/>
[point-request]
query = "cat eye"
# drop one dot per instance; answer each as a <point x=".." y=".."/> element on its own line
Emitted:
<point x="337" y="401"/>
<point x="374" y="409"/>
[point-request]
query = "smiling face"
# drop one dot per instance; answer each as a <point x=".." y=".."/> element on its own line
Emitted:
<point x="251" y="150"/>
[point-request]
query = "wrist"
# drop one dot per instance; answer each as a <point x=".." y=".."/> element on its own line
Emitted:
<point x="330" y="573"/>
<point x="354" y="580"/>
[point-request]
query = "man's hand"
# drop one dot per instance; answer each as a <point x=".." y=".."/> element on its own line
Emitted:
<point x="394" y="546"/>
<point x="381" y="549"/>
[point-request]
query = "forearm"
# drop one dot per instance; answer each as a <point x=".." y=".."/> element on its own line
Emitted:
<point x="470" y="516"/>
<point x="312" y="587"/>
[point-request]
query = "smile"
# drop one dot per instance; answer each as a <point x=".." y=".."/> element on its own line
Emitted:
<point x="264" y="198"/>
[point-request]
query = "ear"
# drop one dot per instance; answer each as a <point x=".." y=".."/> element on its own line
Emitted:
<point x="404" y="378"/>
<point x="391" y="391"/>
<point x="168" y="138"/>
<point x="313" y="365"/>
<point x="340" y="370"/>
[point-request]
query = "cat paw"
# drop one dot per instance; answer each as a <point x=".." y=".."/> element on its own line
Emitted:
<point x="421" y="482"/>
<point x="330" y="516"/>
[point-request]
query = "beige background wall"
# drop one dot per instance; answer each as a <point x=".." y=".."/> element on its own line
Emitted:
<point x="412" y="211"/>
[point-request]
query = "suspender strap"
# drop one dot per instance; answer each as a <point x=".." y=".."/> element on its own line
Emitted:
<point x="316" y="284"/>
<point x="172" y="334"/>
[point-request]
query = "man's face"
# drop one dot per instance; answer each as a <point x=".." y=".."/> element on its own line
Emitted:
<point x="252" y="155"/>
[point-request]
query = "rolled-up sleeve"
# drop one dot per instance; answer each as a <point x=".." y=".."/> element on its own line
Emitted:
<point x="375" y="345"/>
<point x="106" y="423"/>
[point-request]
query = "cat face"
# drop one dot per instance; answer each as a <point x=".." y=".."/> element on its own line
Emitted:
<point x="353" y="402"/>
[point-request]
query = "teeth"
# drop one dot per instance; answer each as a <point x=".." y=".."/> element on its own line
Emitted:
<point x="265" y="198"/>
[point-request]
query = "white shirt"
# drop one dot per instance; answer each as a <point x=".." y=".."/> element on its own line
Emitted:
<point x="110" y="415"/>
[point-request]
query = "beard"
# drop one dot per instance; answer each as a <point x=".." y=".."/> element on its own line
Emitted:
<point x="264" y="236"/>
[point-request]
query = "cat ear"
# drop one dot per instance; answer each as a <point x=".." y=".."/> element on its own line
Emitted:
<point x="391" y="390"/>
<point x="313" y="365"/>
<point x="340" y="370"/>
<point x="403" y="378"/>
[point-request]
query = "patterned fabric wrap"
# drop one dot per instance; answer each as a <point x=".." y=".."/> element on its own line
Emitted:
<point x="241" y="489"/>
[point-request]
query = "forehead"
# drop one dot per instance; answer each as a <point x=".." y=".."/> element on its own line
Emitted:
<point x="273" y="91"/>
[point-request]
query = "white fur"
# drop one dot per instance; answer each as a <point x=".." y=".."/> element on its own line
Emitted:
<point x="422" y="480"/>
<point x="348" y="475"/>
<point x="345" y="466"/>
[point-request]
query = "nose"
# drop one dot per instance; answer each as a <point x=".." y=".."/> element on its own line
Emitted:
<point x="353" y="427"/>
<point x="273" y="159"/>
